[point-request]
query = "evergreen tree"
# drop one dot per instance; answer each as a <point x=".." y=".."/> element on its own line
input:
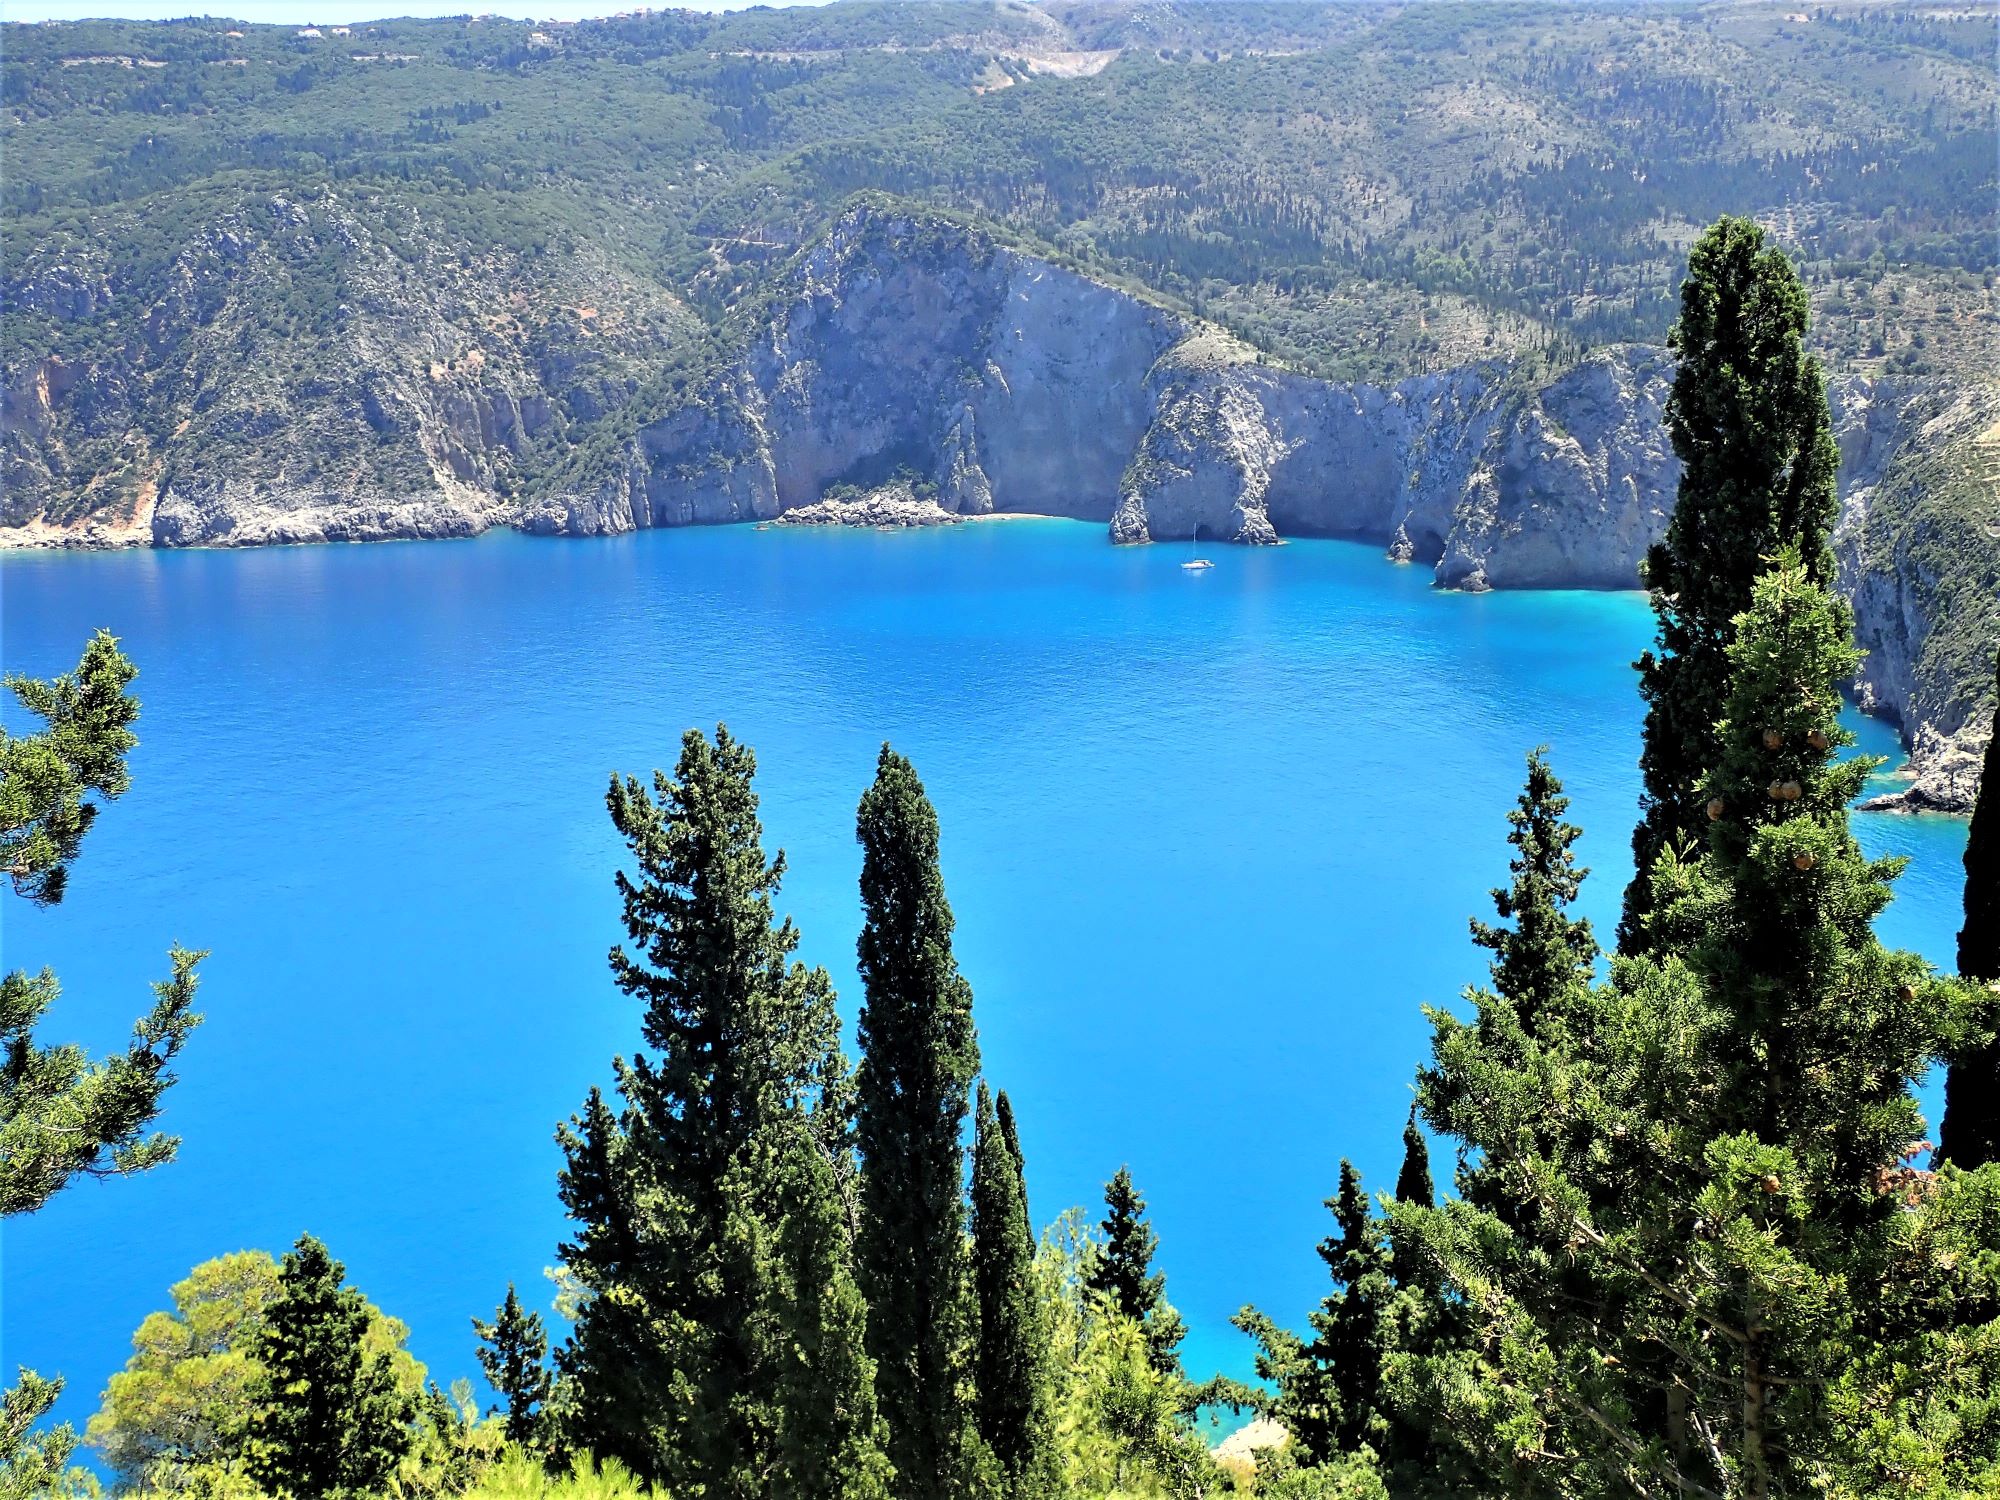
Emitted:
<point x="327" y="1421"/>
<point x="513" y="1348"/>
<point x="918" y="1059"/>
<point x="716" y="1264"/>
<point x="1541" y="960"/>
<point x="63" y="1116"/>
<point x="1749" y="421"/>
<point x="1124" y="1272"/>
<point x="1413" y="1178"/>
<point x="1350" y="1324"/>
<point x="830" y="1439"/>
<point x="1012" y="1361"/>
<point x="1329" y="1390"/>
<point x="1413" y="1186"/>
<point x="1970" y="1132"/>
<point x="1011" y="1135"/>
<point x="1699" y="1261"/>
<point x="53" y="782"/>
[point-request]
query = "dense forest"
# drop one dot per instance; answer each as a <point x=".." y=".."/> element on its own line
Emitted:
<point x="1695" y="1240"/>
<point x="1359" y="190"/>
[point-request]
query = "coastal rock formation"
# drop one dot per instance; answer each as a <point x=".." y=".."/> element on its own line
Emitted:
<point x="892" y="507"/>
<point x="1919" y="547"/>
<point x="908" y="343"/>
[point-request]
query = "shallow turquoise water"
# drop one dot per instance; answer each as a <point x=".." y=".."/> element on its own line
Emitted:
<point x="1211" y="839"/>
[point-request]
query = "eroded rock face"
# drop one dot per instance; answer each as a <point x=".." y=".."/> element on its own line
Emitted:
<point x="907" y="344"/>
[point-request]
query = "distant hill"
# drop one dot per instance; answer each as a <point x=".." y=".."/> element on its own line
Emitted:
<point x="1360" y="190"/>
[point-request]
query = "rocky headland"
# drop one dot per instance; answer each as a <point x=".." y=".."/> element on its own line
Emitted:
<point x="909" y="344"/>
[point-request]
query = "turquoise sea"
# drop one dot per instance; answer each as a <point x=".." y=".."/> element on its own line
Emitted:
<point x="1211" y="838"/>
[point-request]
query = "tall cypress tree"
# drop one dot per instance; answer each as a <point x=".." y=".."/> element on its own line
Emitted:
<point x="1351" y="1326"/>
<point x="1970" y="1131"/>
<point x="1413" y="1179"/>
<point x="328" y="1422"/>
<point x="1010" y="1134"/>
<point x="918" y="1059"/>
<point x="1124" y="1272"/>
<point x="1413" y="1186"/>
<point x="1749" y="421"/>
<point x="1013" y="1405"/>
<point x="513" y="1349"/>
<point x="1329" y="1389"/>
<point x="691" y="1203"/>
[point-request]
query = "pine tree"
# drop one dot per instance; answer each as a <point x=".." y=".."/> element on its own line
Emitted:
<point x="1124" y="1272"/>
<point x="1542" y="959"/>
<point x="62" y="1115"/>
<point x="513" y="1348"/>
<point x="1749" y="421"/>
<point x="1012" y="1361"/>
<point x="918" y="1059"/>
<point x="327" y="1421"/>
<point x="1699" y="1261"/>
<point x="1970" y="1132"/>
<point x="702" y="1244"/>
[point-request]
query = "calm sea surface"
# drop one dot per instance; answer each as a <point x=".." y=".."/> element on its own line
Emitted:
<point x="1211" y="839"/>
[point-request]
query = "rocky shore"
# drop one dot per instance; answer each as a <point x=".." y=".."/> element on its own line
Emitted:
<point x="905" y="344"/>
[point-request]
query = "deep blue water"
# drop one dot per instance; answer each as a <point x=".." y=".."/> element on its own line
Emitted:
<point x="1211" y="840"/>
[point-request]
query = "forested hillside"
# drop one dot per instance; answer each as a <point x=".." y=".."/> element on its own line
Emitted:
<point x="1361" y="190"/>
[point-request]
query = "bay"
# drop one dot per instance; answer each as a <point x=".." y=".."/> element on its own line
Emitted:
<point x="1212" y="839"/>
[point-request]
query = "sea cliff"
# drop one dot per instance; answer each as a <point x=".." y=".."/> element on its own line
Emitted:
<point x="910" y="344"/>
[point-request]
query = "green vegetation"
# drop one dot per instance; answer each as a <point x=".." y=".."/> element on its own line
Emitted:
<point x="1749" y="421"/>
<point x="719" y="1348"/>
<point x="262" y="240"/>
<point x="62" y="1115"/>
<point x="1013" y="1364"/>
<point x="918" y="1059"/>
<point x="514" y="1352"/>
<point x="1124" y="1274"/>
<point x="327" y="1420"/>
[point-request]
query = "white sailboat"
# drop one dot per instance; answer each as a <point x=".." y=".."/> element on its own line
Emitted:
<point x="1195" y="564"/>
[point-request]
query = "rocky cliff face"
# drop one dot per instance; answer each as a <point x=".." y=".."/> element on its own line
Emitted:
<point x="908" y="345"/>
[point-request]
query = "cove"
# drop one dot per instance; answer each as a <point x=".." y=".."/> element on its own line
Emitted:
<point x="1211" y="840"/>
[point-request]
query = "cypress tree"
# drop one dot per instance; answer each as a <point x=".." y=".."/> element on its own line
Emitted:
<point x="691" y="1203"/>
<point x="1413" y="1186"/>
<point x="918" y="1059"/>
<point x="1351" y="1324"/>
<point x="1329" y="1390"/>
<point x="1013" y="1403"/>
<point x="1011" y="1135"/>
<point x="1124" y="1272"/>
<point x="830" y="1439"/>
<point x="1413" y="1179"/>
<point x="1749" y="421"/>
<point x="328" y="1422"/>
<point x="1970" y="1132"/>
<point x="512" y="1351"/>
